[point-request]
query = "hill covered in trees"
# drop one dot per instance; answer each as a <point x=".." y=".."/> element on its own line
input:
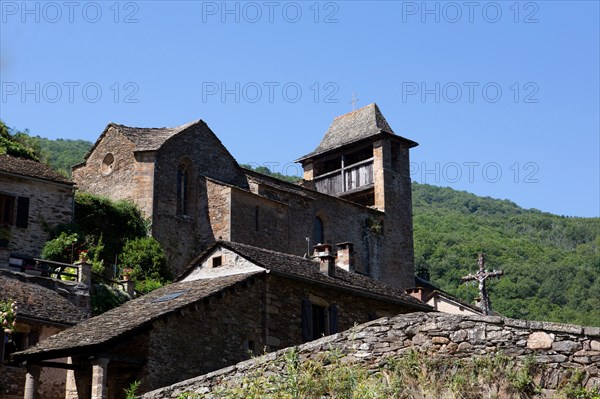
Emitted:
<point x="60" y="154"/>
<point x="551" y="263"/>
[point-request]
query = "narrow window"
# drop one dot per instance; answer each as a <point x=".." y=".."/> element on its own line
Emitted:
<point x="315" y="320"/>
<point x="7" y="207"/>
<point x="256" y="218"/>
<point x="217" y="261"/>
<point x="318" y="233"/>
<point x="319" y="321"/>
<point x="182" y="189"/>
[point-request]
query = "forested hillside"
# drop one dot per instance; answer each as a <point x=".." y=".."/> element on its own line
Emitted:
<point x="551" y="263"/>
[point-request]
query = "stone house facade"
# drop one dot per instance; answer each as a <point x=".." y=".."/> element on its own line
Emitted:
<point x="41" y="313"/>
<point x="33" y="200"/>
<point x="234" y="300"/>
<point x="356" y="189"/>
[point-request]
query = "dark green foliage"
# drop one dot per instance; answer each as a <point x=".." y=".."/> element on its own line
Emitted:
<point x="60" y="154"/>
<point x="105" y="298"/>
<point x="114" y="221"/>
<point x="266" y="171"/>
<point x="101" y="226"/>
<point x="16" y="143"/>
<point x="147" y="259"/>
<point x="63" y="154"/>
<point x="551" y="263"/>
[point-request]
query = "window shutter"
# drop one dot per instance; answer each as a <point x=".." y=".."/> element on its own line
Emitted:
<point x="307" y="327"/>
<point x="22" y="212"/>
<point x="333" y="319"/>
<point x="2" y="343"/>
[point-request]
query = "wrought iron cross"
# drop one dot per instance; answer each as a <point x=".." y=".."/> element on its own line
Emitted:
<point x="481" y="277"/>
<point x="354" y="101"/>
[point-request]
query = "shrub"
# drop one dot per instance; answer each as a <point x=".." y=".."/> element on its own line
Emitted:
<point x="146" y="258"/>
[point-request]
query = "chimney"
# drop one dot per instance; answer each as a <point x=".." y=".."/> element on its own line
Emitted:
<point x="345" y="256"/>
<point x="323" y="255"/>
<point x="416" y="292"/>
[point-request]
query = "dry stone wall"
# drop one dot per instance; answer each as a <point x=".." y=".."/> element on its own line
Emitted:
<point x="561" y="348"/>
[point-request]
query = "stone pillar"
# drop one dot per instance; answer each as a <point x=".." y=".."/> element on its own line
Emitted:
<point x="130" y="288"/>
<point x="71" y="383"/>
<point x="85" y="273"/>
<point x="32" y="381"/>
<point x="99" y="378"/>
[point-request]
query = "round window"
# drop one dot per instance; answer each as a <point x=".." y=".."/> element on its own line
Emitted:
<point x="108" y="163"/>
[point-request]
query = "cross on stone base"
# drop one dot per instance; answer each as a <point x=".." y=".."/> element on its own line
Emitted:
<point x="481" y="276"/>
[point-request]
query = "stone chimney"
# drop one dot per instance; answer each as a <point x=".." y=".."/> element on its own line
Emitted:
<point x="323" y="255"/>
<point x="416" y="292"/>
<point x="345" y="256"/>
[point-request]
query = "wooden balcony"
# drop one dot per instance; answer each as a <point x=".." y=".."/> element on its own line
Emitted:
<point x="348" y="179"/>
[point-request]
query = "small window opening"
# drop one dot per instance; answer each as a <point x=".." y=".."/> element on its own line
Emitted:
<point x="318" y="233"/>
<point x="217" y="261"/>
<point x="319" y="322"/>
<point x="256" y="218"/>
<point x="182" y="189"/>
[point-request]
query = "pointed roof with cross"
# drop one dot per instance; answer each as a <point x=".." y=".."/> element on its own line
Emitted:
<point x="363" y="124"/>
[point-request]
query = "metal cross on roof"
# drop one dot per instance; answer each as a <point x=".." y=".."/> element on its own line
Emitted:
<point x="481" y="277"/>
<point x="354" y="101"/>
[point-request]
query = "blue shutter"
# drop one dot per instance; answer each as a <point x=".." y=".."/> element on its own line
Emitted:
<point x="333" y="319"/>
<point x="307" y="327"/>
<point x="22" y="212"/>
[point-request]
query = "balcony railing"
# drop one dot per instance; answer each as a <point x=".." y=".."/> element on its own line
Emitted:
<point x="346" y="179"/>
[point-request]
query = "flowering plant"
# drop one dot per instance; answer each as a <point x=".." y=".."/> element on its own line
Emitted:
<point x="8" y="315"/>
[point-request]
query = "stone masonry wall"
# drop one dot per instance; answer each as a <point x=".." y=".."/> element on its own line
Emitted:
<point x="50" y="204"/>
<point x="183" y="237"/>
<point x="206" y="338"/>
<point x="115" y="181"/>
<point x="561" y="348"/>
<point x="284" y="309"/>
<point x="294" y="211"/>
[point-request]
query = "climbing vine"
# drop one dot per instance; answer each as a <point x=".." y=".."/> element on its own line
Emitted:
<point x="8" y="315"/>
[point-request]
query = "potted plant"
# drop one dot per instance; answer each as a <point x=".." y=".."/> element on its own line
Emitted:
<point x="127" y="272"/>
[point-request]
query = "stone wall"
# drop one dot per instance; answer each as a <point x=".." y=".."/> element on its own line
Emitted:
<point x="560" y="348"/>
<point x="52" y="381"/>
<point x="205" y="338"/>
<point x="295" y="210"/>
<point x="50" y="204"/>
<point x="184" y="236"/>
<point x="114" y="177"/>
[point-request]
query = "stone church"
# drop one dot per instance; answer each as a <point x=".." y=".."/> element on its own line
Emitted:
<point x="356" y="191"/>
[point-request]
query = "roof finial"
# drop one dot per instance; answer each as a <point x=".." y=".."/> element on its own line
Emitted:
<point x="354" y="101"/>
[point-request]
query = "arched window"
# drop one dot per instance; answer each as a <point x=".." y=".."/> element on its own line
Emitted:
<point x="318" y="235"/>
<point x="183" y="189"/>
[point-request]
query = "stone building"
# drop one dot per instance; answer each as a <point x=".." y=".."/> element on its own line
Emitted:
<point x="33" y="199"/>
<point x="234" y="300"/>
<point x="356" y="189"/>
<point x="42" y="312"/>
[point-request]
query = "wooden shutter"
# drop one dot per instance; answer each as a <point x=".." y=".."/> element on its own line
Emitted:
<point x="307" y="327"/>
<point x="333" y="319"/>
<point x="22" y="212"/>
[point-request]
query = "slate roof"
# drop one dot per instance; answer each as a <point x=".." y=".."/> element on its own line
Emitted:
<point x="298" y="267"/>
<point x="353" y="127"/>
<point x="29" y="168"/>
<point x="37" y="302"/>
<point x="150" y="139"/>
<point x="101" y="332"/>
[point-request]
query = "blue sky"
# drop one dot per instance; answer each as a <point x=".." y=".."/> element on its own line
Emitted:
<point x="503" y="97"/>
